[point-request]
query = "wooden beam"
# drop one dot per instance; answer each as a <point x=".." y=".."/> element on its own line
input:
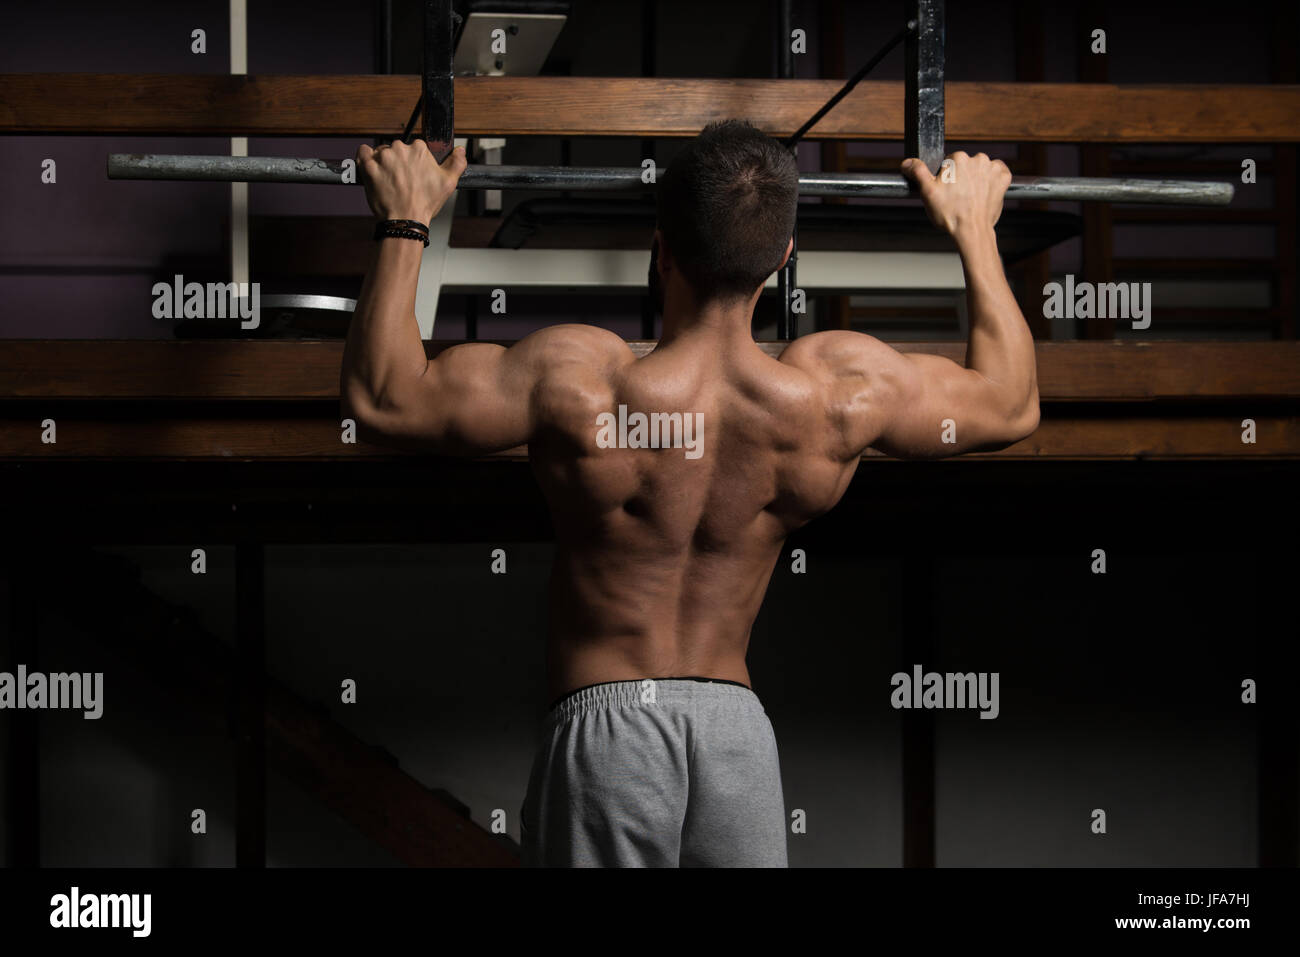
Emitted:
<point x="278" y="400"/>
<point x="313" y="434"/>
<point x="1062" y="436"/>
<point x="296" y="370"/>
<point x="335" y="105"/>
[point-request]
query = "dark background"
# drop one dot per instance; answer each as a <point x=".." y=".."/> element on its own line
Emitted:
<point x="1119" y="692"/>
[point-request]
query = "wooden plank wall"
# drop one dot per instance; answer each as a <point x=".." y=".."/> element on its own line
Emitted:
<point x="278" y="400"/>
<point x="206" y="105"/>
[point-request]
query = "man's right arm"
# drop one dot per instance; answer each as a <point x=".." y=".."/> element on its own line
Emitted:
<point x="919" y="405"/>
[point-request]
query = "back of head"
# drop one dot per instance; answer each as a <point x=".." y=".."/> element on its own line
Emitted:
<point x="726" y="209"/>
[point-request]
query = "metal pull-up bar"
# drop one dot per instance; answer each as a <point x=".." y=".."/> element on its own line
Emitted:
<point x="923" y="40"/>
<point x="277" y="169"/>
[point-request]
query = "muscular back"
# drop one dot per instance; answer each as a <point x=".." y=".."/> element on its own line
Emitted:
<point x="664" y="558"/>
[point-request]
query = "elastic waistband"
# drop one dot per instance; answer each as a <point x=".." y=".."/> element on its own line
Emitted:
<point x="646" y="691"/>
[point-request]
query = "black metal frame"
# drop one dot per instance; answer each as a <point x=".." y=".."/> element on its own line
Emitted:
<point x="923" y="116"/>
<point x="438" y="88"/>
<point x="923" y="134"/>
<point x="787" y="279"/>
<point x="923" y="40"/>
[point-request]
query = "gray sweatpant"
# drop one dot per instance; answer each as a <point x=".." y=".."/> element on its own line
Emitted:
<point x="656" y="773"/>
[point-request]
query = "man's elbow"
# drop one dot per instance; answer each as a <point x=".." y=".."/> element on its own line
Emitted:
<point x="354" y="402"/>
<point x="1025" y="421"/>
<point x="1011" y="425"/>
<point x="371" y="424"/>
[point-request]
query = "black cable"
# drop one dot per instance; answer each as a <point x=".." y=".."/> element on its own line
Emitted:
<point x="854" y="81"/>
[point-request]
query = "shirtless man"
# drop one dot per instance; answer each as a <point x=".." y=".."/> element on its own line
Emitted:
<point x="658" y="753"/>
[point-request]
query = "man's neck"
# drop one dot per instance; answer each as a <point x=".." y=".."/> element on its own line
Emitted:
<point x="720" y="322"/>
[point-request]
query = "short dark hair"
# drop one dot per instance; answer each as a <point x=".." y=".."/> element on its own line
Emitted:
<point x="726" y="208"/>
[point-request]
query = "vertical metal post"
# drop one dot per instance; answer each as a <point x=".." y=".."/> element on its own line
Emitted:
<point x="786" y="279"/>
<point x="923" y="138"/>
<point x="23" y="767"/>
<point x="790" y="277"/>
<point x="438" y="90"/>
<point x="649" y="44"/>
<point x="250" y="706"/>
<point x="918" y="750"/>
<point x="923" y="83"/>
<point x="240" y="260"/>
<point x="437" y="97"/>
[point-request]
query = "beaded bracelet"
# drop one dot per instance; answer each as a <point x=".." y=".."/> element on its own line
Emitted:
<point x="408" y="224"/>
<point x="386" y="229"/>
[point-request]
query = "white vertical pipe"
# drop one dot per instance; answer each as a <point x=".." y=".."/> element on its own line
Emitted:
<point x="239" y="147"/>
